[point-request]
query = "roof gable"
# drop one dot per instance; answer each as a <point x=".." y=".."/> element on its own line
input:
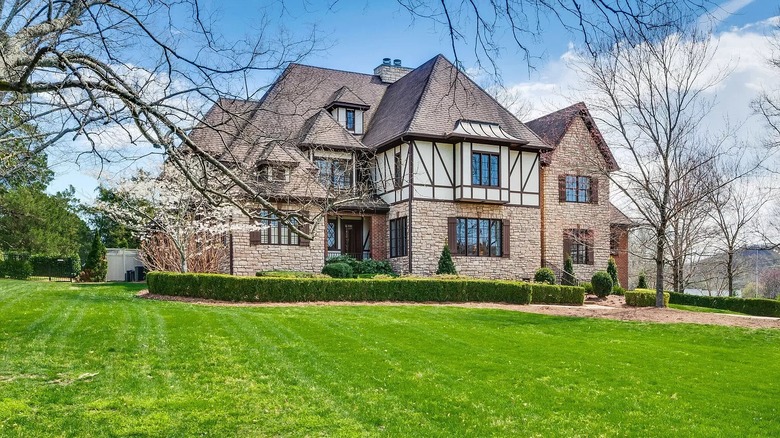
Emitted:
<point x="552" y="127"/>
<point x="323" y="130"/>
<point x="346" y="97"/>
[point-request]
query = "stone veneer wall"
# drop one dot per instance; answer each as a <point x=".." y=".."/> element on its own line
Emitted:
<point x="576" y="154"/>
<point x="429" y="235"/>
<point x="399" y="264"/>
<point x="248" y="259"/>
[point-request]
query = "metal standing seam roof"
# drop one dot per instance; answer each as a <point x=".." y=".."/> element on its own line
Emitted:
<point x="480" y="129"/>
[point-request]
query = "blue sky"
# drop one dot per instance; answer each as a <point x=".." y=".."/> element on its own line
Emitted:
<point x="356" y="35"/>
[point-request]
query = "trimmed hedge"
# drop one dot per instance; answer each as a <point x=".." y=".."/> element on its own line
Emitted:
<point x="285" y="274"/>
<point x="269" y="289"/>
<point x="644" y="298"/>
<point x="554" y="294"/>
<point x="750" y="306"/>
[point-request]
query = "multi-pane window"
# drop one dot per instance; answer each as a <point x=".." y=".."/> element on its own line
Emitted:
<point x="578" y="188"/>
<point x="331" y="235"/>
<point x="478" y="237"/>
<point x="484" y="169"/>
<point x="334" y="172"/>
<point x="273" y="231"/>
<point x="398" y="175"/>
<point x="578" y="244"/>
<point x="350" y="120"/>
<point x="398" y="242"/>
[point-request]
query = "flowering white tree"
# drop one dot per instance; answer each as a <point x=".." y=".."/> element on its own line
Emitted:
<point x="180" y="229"/>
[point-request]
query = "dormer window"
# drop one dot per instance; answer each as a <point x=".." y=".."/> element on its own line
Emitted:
<point x="275" y="173"/>
<point x="350" y="120"/>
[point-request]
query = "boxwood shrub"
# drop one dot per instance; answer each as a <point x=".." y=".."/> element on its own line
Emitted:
<point x="553" y="294"/>
<point x="270" y="289"/>
<point x="338" y="270"/>
<point x="750" y="306"/>
<point x="643" y="298"/>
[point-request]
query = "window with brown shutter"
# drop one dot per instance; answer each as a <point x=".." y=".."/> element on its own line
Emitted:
<point x="561" y="188"/>
<point x="305" y="229"/>
<point x="578" y="244"/>
<point x="577" y="189"/>
<point x="594" y="191"/>
<point x="505" y="238"/>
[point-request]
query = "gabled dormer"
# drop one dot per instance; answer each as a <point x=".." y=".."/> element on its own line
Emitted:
<point x="348" y="108"/>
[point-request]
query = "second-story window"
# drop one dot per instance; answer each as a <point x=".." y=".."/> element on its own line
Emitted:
<point x="484" y="169"/>
<point x="578" y="189"/>
<point x="335" y="172"/>
<point x="398" y="175"/>
<point x="350" y="120"/>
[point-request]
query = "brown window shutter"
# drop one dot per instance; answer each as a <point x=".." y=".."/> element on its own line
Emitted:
<point x="254" y="237"/>
<point x="594" y="190"/>
<point x="588" y="239"/>
<point x="566" y="245"/>
<point x="451" y="237"/>
<point x="505" y="238"/>
<point x="305" y="228"/>
<point x="561" y="188"/>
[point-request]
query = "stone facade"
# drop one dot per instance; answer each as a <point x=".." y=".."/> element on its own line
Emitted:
<point x="399" y="264"/>
<point x="576" y="154"/>
<point x="250" y="258"/>
<point x="429" y="235"/>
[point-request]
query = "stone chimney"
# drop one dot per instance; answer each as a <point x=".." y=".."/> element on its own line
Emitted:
<point x="391" y="71"/>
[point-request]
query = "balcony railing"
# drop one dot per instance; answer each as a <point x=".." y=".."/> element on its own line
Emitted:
<point x="356" y="255"/>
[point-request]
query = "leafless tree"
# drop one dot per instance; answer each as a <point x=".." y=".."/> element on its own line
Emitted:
<point x="649" y="91"/>
<point x="732" y="209"/>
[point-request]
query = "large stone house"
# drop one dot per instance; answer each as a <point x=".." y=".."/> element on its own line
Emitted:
<point x="436" y="160"/>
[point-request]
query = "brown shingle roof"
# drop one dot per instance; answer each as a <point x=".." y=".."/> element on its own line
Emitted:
<point x="346" y="97"/>
<point x="323" y="130"/>
<point x="617" y="217"/>
<point x="552" y="127"/>
<point x="431" y="99"/>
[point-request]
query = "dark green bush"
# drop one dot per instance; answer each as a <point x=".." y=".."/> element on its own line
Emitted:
<point x="544" y="275"/>
<point x="750" y="306"/>
<point x="602" y="284"/>
<point x="368" y="266"/>
<point x="285" y="274"/>
<point x="446" y="265"/>
<point x="51" y="266"/>
<point x="269" y="289"/>
<point x="553" y="294"/>
<point x="96" y="265"/>
<point x="338" y="270"/>
<point x="612" y="271"/>
<point x="17" y="268"/>
<point x="644" y="298"/>
<point x="642" y="282"/>
<point x="568" y="278"/>
<point x="587" y="286"/>
<point x="617" y="290"/>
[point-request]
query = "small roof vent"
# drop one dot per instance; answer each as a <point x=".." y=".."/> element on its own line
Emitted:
<point x="386" y="61"/>
<point x="396" y="62"/>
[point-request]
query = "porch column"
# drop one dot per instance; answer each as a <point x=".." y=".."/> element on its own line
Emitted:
<point x="378" y="236"/>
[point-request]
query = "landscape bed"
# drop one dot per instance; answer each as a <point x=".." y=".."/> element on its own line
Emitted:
<point x="92" y="360"/>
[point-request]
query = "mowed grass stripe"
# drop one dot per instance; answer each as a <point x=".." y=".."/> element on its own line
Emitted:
<point x="175" y="369"/>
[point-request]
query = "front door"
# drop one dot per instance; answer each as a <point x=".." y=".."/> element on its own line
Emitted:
<point x="352" y="238"/>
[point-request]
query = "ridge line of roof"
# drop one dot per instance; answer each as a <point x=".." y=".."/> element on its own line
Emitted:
<point x="435" y="60"/>
<point x="297" y="64"/>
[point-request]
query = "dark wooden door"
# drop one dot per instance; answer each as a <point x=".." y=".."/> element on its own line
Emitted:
<point x="352" y="238"/>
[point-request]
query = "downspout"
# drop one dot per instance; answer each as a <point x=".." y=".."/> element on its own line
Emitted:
<point x="411" y="196"/>
<point x="542" y="191"/>
<point x="230" y="244"/>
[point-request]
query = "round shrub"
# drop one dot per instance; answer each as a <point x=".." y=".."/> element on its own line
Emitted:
<point x="544" y="275"/>
<point x="587" y="286"/>
<point x="338" y="270"/>
<point x="602" y="284"/>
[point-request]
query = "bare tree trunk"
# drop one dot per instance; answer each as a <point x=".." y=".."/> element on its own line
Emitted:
<point x="730" y="271"/>
<point x="659" y="271"/>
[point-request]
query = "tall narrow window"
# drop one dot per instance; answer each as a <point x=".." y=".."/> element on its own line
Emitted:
<point x="398" y="241"/>
<point x="350" y="120"/>
<point x="398" y="175"/>
<point x="484" y="169"/>
<point x="478" y="237"/>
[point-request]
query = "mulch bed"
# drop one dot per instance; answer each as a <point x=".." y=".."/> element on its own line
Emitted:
<point x="612" y="307"/>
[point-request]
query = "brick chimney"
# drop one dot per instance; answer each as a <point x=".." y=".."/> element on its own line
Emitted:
<point x="390" y="72"/>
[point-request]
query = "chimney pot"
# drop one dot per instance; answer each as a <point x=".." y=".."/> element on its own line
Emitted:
<point x="386" y="61"/>
<point x="397" y="62"/>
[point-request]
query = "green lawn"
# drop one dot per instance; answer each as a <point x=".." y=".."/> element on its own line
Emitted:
<point x="95" y="361"/>
<point x="702" y="309"/>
